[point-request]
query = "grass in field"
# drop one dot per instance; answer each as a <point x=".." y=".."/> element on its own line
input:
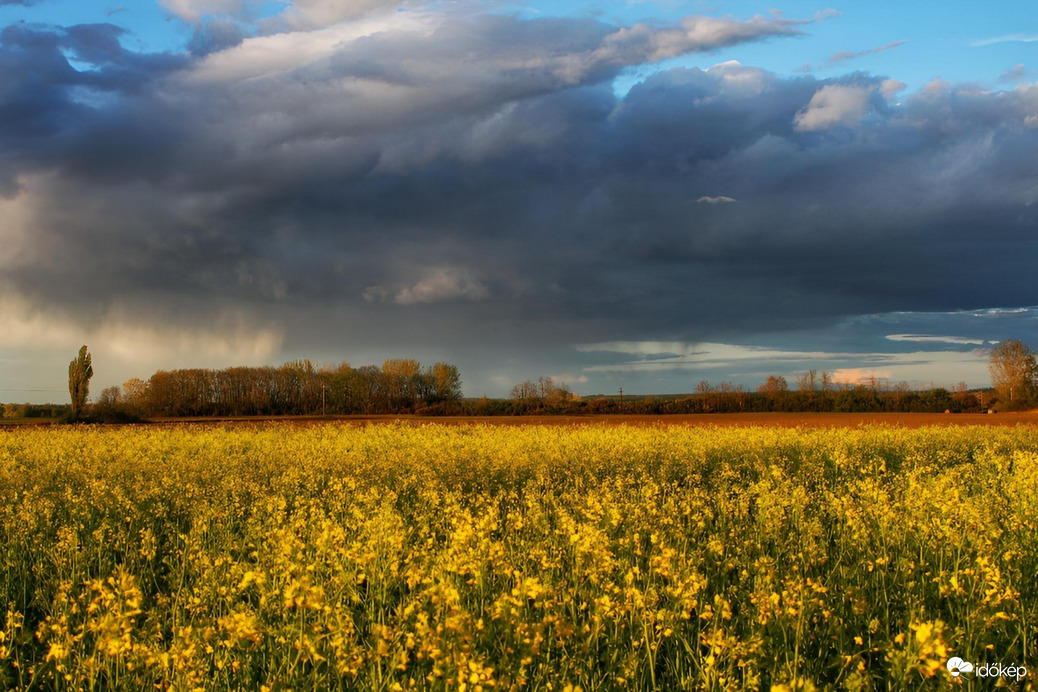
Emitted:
<point x="495" y="558"/>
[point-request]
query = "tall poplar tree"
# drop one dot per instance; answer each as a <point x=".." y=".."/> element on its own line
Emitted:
<point x="80" y="371"/>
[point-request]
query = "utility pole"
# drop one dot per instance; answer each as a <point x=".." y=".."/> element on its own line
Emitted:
<point x="621" y="399"/>
<point x="323" y="387"/>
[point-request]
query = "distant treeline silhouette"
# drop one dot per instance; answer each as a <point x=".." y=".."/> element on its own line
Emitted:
<point x="296" y="388"/>
<point x="774" y="395"/>
<point x="12" y="411"/>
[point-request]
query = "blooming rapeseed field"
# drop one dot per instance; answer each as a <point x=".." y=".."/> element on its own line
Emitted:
<point x="393" y="557"/>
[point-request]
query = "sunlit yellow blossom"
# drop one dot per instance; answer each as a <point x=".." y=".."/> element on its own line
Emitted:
<point x="508" y="558"/>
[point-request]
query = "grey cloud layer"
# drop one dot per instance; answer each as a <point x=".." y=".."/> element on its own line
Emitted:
<point x="465" y="180"/>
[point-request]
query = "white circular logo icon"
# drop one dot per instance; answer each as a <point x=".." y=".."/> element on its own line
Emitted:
<point x="957" y="665"/>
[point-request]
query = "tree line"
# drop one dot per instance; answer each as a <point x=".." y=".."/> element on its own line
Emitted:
<point x="297" y="388"/>
<point x="814" y="392"/>
<point x="302" y="387"/>
<point x="33" y="411"/>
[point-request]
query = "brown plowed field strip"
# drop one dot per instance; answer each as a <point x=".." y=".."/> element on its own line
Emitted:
<point x="787" y="420"/>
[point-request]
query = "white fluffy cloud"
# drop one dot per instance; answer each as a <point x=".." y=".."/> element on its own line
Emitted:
<point x="311" y="14"/>
<point x="262" y="57"/>
<point x="936" y="339"/>
<point x="439" y="285"/>
<point x="890" y="87"/>
<point x="832" y="105"/>
<point x="642" y="42"/>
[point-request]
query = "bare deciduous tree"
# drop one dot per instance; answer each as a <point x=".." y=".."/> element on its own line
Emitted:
<point x="110" y="396"/>
<point x="524" y="391"/>
<point x="774" y="386"/>
<point x="806" y="381"/>
<point x="1014" y="370"/>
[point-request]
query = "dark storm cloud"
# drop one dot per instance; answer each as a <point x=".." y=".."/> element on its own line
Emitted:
<point x="471" y="180"/>
<point x="50" y="111"/>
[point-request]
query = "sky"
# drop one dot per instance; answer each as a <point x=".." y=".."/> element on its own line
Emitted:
<point x="628" y="194"/>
